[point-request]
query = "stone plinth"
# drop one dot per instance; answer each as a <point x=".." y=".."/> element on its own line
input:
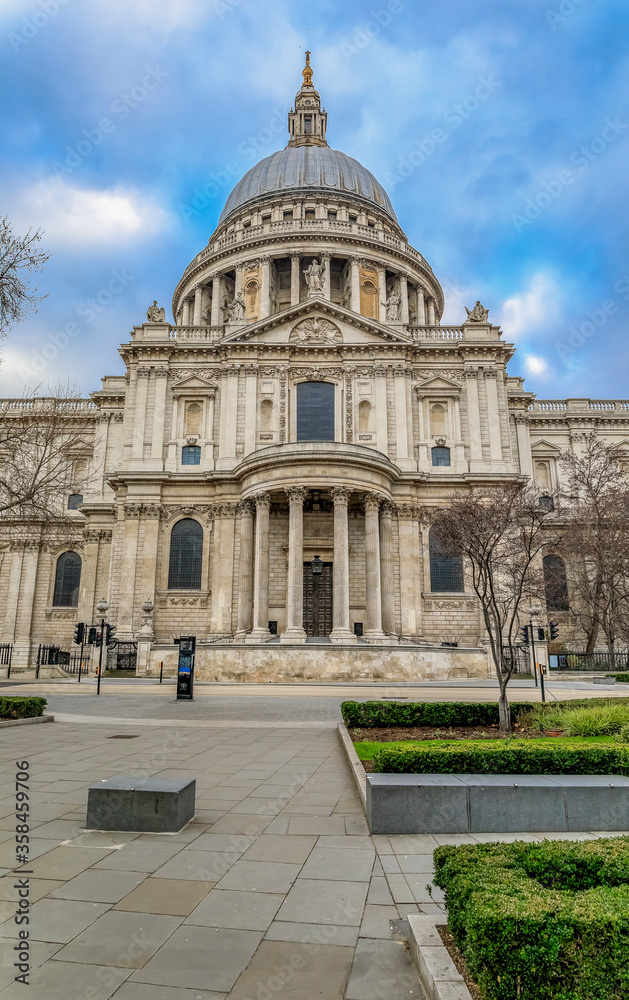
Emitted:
<point x="149" y="805"/>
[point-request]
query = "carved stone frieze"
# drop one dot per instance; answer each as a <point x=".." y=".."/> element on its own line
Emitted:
<point x="315" y="331"/>
<point x="349" y="409"/>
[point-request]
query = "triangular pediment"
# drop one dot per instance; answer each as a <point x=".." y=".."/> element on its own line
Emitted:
<point x="330" y="323"/>
<point x="543" y="447"/>
<point x="439" y="383"/>
<point x="193" y="383"/>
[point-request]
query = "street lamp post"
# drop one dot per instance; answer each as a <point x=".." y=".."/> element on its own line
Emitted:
<point x="535" y="612"/>
<point x="102" y="608"/>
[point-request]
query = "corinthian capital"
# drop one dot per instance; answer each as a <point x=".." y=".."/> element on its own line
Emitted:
<point x="296" y="494"/>
<point x="341" y="494"/>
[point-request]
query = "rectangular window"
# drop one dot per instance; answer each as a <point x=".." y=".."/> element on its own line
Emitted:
<point x="191" y="455"/>
<point x="308" y="124"/>
<point x="310" y="213"/>
<point x="353" y="218"/>
<point x="315" y="411"/>
<point x="288" y="215"/>
<point x="332" y="215"/>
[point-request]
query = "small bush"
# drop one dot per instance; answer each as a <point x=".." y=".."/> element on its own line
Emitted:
<point x="622" y="736"/>
<point x="503" y="757"/>
<point x="541" y="920"/>
<point x="622" y="678"/>
<point x="599" y="721"/>
<point x="21" y="708"/>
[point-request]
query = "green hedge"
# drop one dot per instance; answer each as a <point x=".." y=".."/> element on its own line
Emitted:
<point x="387" y="714"/>
<point x="21" y="708"/>
<point x="540" y="921"/>
<point x="623" y="677"/>
<point x="504" y="757"/>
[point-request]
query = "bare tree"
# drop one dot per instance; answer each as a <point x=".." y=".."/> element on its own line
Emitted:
<point x="501" y="530"/>
<point x="20" y="258"/>
<point x="595" y="502"/>
<point x="45" y="456"/>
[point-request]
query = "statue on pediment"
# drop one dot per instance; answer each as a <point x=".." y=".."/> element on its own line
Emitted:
<point x="314" y="277"/>
<point x="478" y="314"/>
<point x="155" y="313"/>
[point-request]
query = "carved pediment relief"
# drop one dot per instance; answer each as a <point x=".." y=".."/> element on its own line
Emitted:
<point x="315" y="330"/>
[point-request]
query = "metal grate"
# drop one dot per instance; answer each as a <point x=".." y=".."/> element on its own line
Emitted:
<point x="186" y="555"/>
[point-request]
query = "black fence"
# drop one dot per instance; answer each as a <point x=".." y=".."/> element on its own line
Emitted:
<point x="122" y="656"/>
<point x="6" y="655"/>
<point x="606" y="662"/>
<point x="522" y="659"/>
<point x="77" y="662"/>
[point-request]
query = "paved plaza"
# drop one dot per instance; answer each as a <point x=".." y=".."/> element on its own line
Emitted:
<point x="274" y="890"/>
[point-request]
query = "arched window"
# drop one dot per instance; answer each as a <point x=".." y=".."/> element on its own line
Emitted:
<point x="446" y="565"/>
<point x="438" y="420"/>
<point x="193" y="418"/>
<point x="266" y="415"/>
<point x="364" y="413"/>
<point x="191" y="455"/>
<point x="555" y="584"/>
<point x="315" y="411"/>
<point x="74" y="501"/>
<point x="440" y="456"/>
<point x="67" y="580"/>
<point x="186" y="555"/>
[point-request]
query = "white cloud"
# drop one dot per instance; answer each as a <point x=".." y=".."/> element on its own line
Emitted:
<point x="536" y="307"/>
<point x="535" y="365"/>
<point x="79" y="217"/>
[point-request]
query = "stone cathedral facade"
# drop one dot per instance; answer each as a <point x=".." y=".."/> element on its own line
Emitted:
<point x="262" y="467"/>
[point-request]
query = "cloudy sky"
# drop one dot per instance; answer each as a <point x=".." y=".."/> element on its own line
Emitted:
<point x="499" y="127"/>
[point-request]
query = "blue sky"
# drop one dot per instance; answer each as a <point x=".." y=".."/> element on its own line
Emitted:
<point x="499" y="127"/>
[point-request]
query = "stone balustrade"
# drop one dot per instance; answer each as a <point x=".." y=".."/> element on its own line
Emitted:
<point x="44" y="402"/>
<point x="579" y="406"/>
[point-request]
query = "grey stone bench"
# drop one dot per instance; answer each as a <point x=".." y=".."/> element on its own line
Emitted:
<point x="145" y="805"/>
<point x="496" y="803"/>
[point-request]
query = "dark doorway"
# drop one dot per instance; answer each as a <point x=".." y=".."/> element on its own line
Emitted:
<point x="318" y="600"/>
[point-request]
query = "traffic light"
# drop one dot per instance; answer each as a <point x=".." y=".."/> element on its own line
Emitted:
<point x="110" y="631"/>
<point x="524" y="635"/>
<point x="79" y="633"/>
<point x="91" y="635"/>
<point x="541" y="634"/>
<point x="554" y="629"/>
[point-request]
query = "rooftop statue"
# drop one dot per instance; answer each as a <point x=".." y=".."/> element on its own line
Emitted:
<point x="155" y="313"/>
<point x="478" y="314"/>
<point x="314" y="278"/>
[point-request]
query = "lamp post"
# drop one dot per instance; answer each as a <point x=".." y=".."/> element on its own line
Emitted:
<point x="535" y="612"/>
<point x="102" y="608"/>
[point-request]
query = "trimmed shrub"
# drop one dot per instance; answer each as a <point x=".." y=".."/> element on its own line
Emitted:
<point x="21" y="708"/>
<point x="388" y="714"/>
<point x="544" y="920"/>
<point x="503" y="757"/>
<point x="622" y="678"/>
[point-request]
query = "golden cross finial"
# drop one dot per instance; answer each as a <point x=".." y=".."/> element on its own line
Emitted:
<point x="307" y="73"/>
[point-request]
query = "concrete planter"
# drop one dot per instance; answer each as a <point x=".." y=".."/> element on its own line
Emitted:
<point x="437" y="972"/>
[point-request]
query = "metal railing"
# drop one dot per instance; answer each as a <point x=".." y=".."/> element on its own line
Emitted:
<point x="596" y="661"/>
<point x="6" y="655"/>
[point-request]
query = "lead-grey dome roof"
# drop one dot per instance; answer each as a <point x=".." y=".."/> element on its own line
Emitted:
<point x="307" y="168"/>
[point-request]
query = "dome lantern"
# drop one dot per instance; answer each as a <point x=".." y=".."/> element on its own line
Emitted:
<point x="307" y="124"/>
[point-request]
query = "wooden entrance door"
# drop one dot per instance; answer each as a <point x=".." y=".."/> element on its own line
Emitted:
<point x="318" y="600"/>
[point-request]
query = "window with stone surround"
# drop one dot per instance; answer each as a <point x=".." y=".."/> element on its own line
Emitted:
<point x="440" y="456"/>
<point x="67" y="580"/>
<point x="555" y="583"/>
<point x="186" y="555"/>
<point x="446" y="565"/>
<point x="191" y="455"/>
<point x="74" y="501"/>
<point x="315" y="411"/>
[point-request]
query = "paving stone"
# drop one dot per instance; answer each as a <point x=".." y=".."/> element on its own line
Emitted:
<point x="192" y="958"/>
<point x="137" y="991"/>
<point x="333" y="826"/>
<point x="37" y="887"/>
<point x="400" y="889"/>
<point x="333" y="864"/>
<point x="260" y="876"/>
<point x="233" y="843"/>
<point x="37" y="849"/>
<point x="411" y="864"/>
<point x="279" y="825"/>
<point x="295" y="972"/>
<point x="205" y="866"/>
<point x="379" y="893"/>
<point x="57" y="920"/>
<point x="99" y="886"/>
<point x="122" y="939"/>
<point x="421" y="843"/>
<point x="356" y="826"/>
<point x="249" y="911"/>
<point x="144" y="857"/>
<point x="320" y="902"/>
<point x="164" y="895"/>
<point x="346" y="843"/>
<point x="245" y="823"/>
<point x="382" y="970"/>
<point x="313" y="934"/>
<point x="98" y="838"/>
<point x="63" y="980"/>
<point x="377" y="921"/>
<point x="273" y="847"/>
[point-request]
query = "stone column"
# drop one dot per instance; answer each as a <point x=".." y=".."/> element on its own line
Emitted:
<point x="238" y="283"/>
<point x="382" y="294"/>
<point x="382" y="432"/>
<point x="524" y="444"/>
<point x="403" y="459"/>
<point x="198" y="305"/>
<point x="493" y="418"/>
<point x="101" y="439"/>
<point x="132" y="513"/>
<point x="372" y="568"/>
<point x="325" y="260"/>
<point x="216" y="300"/>
<point x="340" y="604"/>
<point x="245" y="572"/>
<point x="186" y="312"/>
<point x="404" y="295"/>
<point x="473" y="417"/>
<point x="151" y="513"/>
<point x="294" y="279"/>
<point x="159" y="417"/>
<point x="387" y="568"/>
<point x="265" y="287"/>
<point x="13" y="594"/>
<point x="89" y="570"/>
<point x="251" y="403"/>
<point x="411" y="581"/>
<point x="295" y="631"/>
<point x="139" y="414"/>
<point x="354" y="302"/>
<point x="21" y="651"/>
<point x="260" y="632"/>
<point x="421" y="308"/>
<point x="431" y="313"/>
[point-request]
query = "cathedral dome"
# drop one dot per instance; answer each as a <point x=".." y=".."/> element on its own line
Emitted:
<point x="308" y="169"/>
